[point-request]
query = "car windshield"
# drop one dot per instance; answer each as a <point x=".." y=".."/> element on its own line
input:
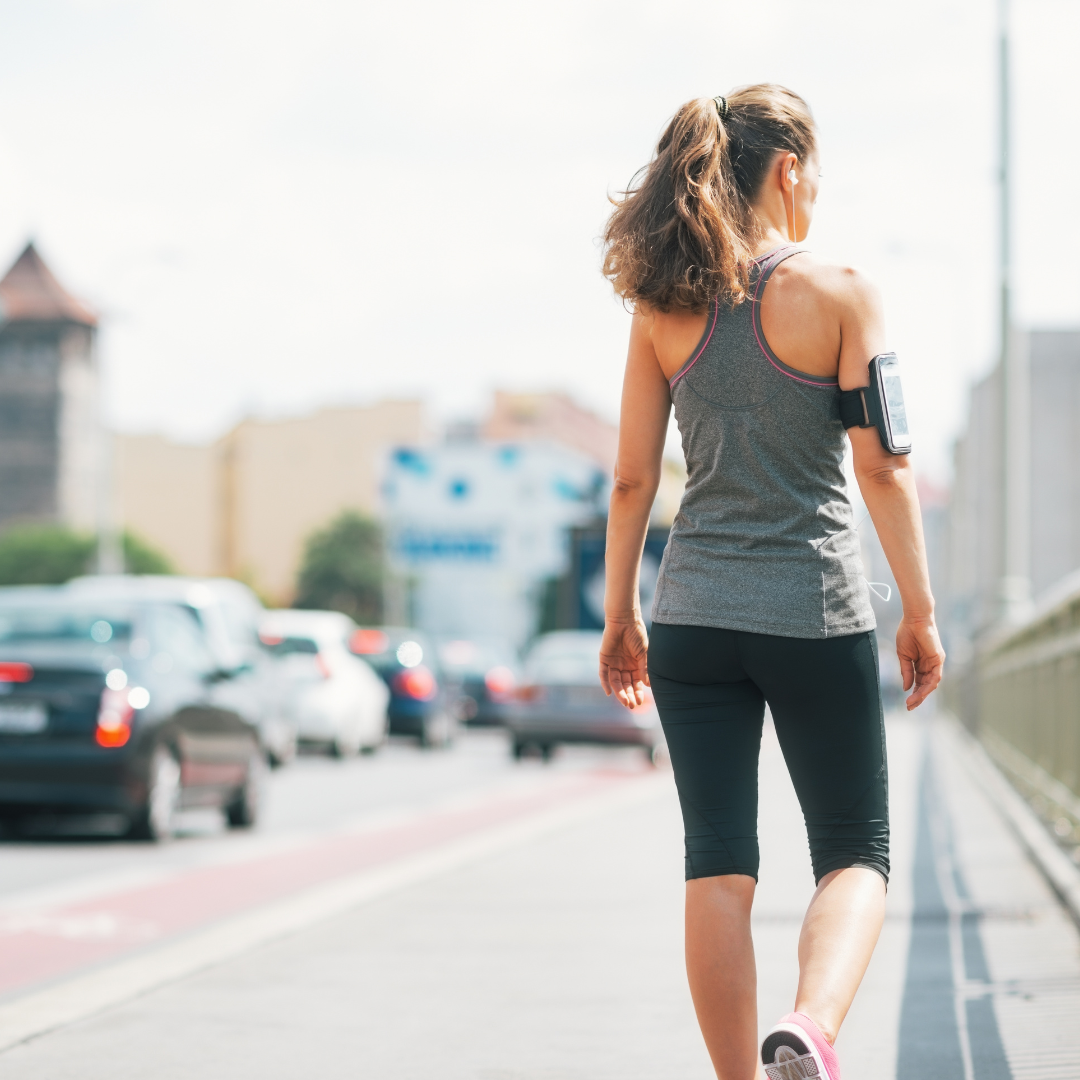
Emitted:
<point x="48" y="623"/>
<point x="568" y="659"/>
<point x="289" y="646"/>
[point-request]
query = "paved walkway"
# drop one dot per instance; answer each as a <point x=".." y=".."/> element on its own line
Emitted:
<point x="552" y="950"/>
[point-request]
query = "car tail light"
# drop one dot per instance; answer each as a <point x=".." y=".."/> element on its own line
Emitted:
<point x="530" y="693"/>
<point x="323" y="666"/>
<point x="13" y="671"/>
<point x="500" y="682"/>
<point x="114" y="718"/>
<point x="417" y="683"/>
<point x="368" y="642"/>
<point x="116" y="712"/>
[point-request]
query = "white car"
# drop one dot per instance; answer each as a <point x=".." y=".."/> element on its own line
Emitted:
<point x="336" y="699"/>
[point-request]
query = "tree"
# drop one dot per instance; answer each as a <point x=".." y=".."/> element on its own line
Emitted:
<point x="141" y="558"/>
<point x="43" y="555"/>
<point x="344" y="569"/>
<point x="53" y="554"/>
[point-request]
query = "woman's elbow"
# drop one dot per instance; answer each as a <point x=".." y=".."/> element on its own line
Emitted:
<point x="892" y="472"/>
<point x="634" y="485"/>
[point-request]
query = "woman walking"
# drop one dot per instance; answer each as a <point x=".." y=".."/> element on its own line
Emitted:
<point x="761" y="598"/>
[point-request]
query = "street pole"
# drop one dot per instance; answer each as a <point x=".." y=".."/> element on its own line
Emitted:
<point x="1014" y="593"/>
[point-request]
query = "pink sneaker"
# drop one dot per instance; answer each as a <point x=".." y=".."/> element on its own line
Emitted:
<point x="796" y="1050"/>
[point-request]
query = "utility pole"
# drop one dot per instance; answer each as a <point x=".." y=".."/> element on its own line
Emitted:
<point x="1014" y="592"/>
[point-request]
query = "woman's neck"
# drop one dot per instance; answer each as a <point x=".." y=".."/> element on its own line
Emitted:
<point x="772" y="221"/>
<point x="770" y="240"/>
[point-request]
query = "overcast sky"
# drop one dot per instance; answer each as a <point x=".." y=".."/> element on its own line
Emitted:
<point x="277" y="205"/>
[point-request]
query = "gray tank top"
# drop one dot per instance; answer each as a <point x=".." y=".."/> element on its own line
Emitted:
<point x="764" y="539"/>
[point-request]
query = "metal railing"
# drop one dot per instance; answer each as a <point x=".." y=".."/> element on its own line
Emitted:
<point x="1026" y="698"/>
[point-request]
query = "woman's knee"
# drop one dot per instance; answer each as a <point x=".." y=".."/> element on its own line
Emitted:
<point x="726" y="896"/>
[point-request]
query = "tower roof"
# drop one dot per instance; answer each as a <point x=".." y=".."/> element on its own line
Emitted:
<point x="30" y="293"/>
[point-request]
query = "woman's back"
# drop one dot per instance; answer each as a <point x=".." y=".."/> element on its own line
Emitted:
<point x="763" y="541"/>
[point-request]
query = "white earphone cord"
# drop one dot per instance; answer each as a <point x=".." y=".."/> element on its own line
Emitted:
<point x="794" y="180"/>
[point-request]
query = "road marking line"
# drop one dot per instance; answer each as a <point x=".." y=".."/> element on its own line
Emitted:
<point x="83" y="996"/>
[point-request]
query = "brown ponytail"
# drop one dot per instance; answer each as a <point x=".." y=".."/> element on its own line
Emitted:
<point x="683" y="236"/>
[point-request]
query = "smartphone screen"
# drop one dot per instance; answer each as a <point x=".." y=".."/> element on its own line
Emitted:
<point x="894" y="401"/>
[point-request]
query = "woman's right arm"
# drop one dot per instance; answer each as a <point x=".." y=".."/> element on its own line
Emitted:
<point x="643" y="421"/>
<point x="887" y="483"/>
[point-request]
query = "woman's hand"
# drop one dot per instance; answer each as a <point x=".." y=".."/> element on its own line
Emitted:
<point x="623" y="655"/>
<point x="921" y="658"/>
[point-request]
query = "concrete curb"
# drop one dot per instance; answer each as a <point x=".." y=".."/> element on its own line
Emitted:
<point x="1059" y="870"/>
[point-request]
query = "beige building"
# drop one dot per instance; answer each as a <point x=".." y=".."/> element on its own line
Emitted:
<point x="244" y="505"/>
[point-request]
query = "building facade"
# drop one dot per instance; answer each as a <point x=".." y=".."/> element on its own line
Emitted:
<point x="553" y="418"/>
<point x="974" y="552"/>
<point x="50" y="435"/>
<point x="244" y="506"/>
<point x="477" y="528"/>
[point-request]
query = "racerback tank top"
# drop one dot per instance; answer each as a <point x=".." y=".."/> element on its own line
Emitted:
<point x="764" y="539"/>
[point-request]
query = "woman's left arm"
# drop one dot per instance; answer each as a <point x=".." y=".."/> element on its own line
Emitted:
<point x="646" y="406"/>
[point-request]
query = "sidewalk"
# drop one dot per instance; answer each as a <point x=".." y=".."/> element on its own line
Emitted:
<point x="558" y="955"/>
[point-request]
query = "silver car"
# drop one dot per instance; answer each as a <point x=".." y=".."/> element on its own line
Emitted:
<point x="561" y="701"/>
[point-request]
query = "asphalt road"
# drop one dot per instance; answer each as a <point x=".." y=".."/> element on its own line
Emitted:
<point x="312" y="794"/>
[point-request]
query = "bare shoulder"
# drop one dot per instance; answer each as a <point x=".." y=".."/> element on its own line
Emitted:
<point x="845" y="288"/>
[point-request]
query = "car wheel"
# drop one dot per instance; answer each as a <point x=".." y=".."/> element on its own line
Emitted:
<point x="243" y="811"/>
<point x="438" y="731"/>
<point x="344" y="746"/>
<point x="517" y="749"/>
<point x="157" y="819"/>
<point x="279" y="756"/>
<point x="656" y="755"/>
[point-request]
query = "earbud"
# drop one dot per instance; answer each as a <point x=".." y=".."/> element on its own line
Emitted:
<point x="792" y="177"/>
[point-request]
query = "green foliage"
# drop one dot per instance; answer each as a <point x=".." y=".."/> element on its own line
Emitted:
<point x="344" y="569"/>
<point x="43" y="555"/>
<point x="53" y="554"/>
<point x="141" y="558"/>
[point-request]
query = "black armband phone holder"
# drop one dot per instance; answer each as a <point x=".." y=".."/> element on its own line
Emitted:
<point x="880" y="405"/>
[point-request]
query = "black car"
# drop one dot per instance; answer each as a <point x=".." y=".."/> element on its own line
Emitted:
<point x="420" y="704"/>
<point x="228" y="614"/>
<point x="482" y="675"/>
<point x="110" y="706"/>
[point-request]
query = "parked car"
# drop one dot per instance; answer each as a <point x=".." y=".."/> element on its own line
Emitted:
<point x="420" y="704"/>
<point x="107" y="704"/>
<point x="482" y="677"/>
<point x="561" y="701"/>
<point x="229" y="614"/>
<point x="337" y="699"/>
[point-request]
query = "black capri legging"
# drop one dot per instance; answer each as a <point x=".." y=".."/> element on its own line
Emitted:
<point x="711" y="687"/>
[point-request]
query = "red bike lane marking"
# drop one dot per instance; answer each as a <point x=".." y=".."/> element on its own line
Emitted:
<point x="40" y="945"/>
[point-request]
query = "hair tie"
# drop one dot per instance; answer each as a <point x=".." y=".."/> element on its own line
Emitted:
<point x="721" y="106"/>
